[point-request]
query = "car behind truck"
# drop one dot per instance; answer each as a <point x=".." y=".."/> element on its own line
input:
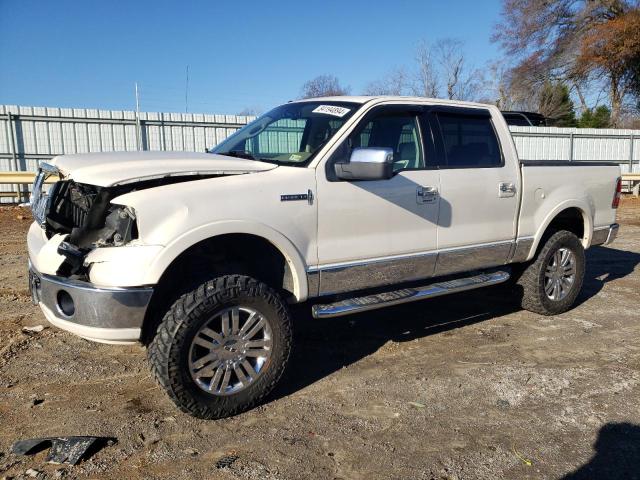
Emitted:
<point x="347" y="203"/>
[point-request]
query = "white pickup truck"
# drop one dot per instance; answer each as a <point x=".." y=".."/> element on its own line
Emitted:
<point x="350" y="203"/>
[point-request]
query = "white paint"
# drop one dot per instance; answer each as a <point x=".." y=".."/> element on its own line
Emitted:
<point x="346" y="222"/>
<point x="115" y="168"/>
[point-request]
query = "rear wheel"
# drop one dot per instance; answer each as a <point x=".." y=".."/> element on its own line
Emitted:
<point x="551" y="283"/>
<point x="222" y="347"/>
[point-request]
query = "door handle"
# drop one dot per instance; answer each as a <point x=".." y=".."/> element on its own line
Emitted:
<point x="426" y="194"/>
<point x="506" y="189"/>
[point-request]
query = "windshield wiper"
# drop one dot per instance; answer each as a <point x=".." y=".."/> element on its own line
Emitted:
<point x="239" y="154"/>
<point x="249" y="156"/>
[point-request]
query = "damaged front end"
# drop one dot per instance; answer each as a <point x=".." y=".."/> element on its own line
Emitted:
<point x="86" y="217"/>
<point x="84" y="214"/>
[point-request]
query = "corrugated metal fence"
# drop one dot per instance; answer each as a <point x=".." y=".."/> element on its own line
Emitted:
<point x="31" y="134"/>
<point x="583" y="144"/>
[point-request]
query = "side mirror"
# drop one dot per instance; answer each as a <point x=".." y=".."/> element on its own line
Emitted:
<point x="374" y="163"/>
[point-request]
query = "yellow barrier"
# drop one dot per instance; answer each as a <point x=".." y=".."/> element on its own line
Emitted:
<point x="22" y="178"/>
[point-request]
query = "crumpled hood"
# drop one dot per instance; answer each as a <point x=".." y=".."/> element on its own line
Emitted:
<point x="117" y="168"/>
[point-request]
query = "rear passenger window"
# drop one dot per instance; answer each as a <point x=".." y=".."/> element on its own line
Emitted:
<point x="469" y="141"/>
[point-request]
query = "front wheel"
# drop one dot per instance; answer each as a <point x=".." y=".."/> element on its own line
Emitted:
<point x="551" y="283"/>
<point x="222" y="347"/>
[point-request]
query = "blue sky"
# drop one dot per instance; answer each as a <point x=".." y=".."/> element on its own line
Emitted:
<point x="89" y="53"/>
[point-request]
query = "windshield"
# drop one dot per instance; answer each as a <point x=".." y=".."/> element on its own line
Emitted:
<point x="290" y="134"/>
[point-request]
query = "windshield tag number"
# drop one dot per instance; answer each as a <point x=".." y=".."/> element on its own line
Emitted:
<point x="332" y="110"/>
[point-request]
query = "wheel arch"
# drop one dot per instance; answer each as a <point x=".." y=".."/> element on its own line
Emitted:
<point x="570" y="215"/>
<point x="266" y="255"/>
<point x="218" y="233"/>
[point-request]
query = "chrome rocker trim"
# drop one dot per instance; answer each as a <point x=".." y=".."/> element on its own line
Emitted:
<point x="330" y="279"/>
<point x="107" y="315"/>
<point x="406" y="295"/>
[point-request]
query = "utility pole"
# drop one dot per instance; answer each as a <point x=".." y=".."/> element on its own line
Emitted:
<point x="138" y="126"/>
<point x="186" y="93"/>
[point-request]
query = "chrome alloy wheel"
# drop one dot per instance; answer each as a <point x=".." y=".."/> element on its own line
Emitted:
<point x="230" y="351"/>
<point x="560" y="274"/>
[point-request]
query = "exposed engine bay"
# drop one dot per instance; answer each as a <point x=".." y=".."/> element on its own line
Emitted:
<point x="85" y="213"/>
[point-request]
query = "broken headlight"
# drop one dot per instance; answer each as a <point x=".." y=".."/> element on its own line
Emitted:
<point x="119" y="228"/>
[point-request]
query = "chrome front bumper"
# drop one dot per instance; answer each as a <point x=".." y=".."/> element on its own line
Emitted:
<point x="606" y="235"/>
<point x="107" y="315"/>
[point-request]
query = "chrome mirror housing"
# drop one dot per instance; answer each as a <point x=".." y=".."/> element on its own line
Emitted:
<point x="373" y="163"/>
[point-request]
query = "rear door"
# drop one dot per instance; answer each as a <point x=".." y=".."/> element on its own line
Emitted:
<point x="478" y="190"/>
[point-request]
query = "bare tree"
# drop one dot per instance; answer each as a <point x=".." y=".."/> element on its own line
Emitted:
<point x="498" y="86"/>
<point x="437" y="66"/>
<point x="395" y="82"/>
<point x="443" y="66"/>
<point x="426" y="83"/>
<point x="460" y="82"/>
<point x="323" y="86"/>
<point x="251" y="111"/>
<point x="448" y="53"/>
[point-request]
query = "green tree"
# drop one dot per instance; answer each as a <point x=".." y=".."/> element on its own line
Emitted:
<point x="554" y="102"/>
<point x="598" y="118"/>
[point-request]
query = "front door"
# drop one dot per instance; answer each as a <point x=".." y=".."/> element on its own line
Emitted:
<point x="374" y="233"/>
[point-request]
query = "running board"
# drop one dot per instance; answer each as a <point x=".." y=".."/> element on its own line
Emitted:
<point x="406" y="295"/>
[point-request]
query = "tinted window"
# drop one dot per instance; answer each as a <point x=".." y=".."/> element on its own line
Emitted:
<point x="516" y="119"/>
<point x="469" y="141"/>
<point x="397" y="131"/>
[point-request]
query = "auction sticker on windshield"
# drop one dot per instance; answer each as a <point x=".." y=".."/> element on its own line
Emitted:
<point x="332" y="110"/>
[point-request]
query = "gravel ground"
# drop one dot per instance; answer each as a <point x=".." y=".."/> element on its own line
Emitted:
<point x="460" y="387"/>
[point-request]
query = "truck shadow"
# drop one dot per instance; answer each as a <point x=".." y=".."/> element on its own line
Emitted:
<point x="325" y="346"/>
<point x="605" y="264"/>
<point x="617" y="454"/>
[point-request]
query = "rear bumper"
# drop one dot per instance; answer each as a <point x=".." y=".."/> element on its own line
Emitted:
<point x="606" y="235"/>
<point x="107" y="315"/>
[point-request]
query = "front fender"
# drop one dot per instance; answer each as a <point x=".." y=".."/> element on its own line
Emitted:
<point x="180" y="244"/>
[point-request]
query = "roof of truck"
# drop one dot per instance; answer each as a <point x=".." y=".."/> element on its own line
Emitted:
<point x="364" y="99"/>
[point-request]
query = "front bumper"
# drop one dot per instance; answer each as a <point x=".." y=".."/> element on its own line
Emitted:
<point x="107" y="315"/>
<point x="606" y="235"/>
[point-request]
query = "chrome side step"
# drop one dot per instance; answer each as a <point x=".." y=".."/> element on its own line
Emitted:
<point x="406" y="295"/>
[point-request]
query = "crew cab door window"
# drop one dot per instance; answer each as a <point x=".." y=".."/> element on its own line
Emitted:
<point x="469" y="141"/>
<point x="397" y="131"/>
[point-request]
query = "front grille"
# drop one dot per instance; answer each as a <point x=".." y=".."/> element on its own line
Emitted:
<point x="70" y="204"/>
<point x="78" y="215"/>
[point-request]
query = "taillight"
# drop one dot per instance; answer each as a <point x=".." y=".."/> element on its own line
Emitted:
<point x="616" y="196"/>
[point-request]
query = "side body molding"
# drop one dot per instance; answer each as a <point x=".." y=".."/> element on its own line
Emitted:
<point x="293" y="257"/>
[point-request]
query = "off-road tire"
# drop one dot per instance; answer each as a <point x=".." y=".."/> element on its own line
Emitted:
<point x="168" y="351"/>
<point x="531" y="279"/>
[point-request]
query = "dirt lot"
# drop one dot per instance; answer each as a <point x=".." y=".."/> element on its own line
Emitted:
<point x="458" y="387"/>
